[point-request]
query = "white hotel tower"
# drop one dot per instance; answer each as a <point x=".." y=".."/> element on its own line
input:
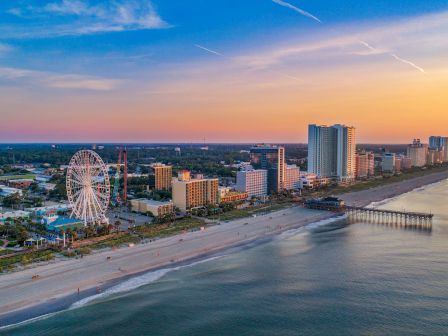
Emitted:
<point x="331" y="151"/>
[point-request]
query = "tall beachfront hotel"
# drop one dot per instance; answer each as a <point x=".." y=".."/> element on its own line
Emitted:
<point x="332" y="151"/>
<point x="272" y="159"/>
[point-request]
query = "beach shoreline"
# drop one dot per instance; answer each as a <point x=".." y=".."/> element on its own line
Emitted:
<point x="366" y="197"/>
<point x="60" y="280"/>
<point x="56" y="288"/>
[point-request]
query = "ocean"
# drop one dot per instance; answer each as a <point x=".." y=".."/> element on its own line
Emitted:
<point x="330" y="278"/>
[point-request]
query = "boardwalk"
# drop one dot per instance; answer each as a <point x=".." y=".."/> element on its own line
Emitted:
<point x="381" y="216"/>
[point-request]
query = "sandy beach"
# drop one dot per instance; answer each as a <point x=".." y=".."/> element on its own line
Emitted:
<point x="59" y="279"/>
<point x="365" y="197"/>
<point x="19" y="291"/>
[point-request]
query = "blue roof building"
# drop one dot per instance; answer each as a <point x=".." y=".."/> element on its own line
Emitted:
<point x="62" y="223"/>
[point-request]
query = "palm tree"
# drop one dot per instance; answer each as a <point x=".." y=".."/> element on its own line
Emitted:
<point x="69" y="232"/>
<point x="74" y="235"/>
<point x="117" y="225"/>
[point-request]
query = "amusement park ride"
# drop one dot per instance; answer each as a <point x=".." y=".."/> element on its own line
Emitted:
<point x="88" y="186"/>
<point x="116" y="199"/>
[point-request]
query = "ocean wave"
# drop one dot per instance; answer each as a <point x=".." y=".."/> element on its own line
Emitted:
<point x="135" y="282"/>
<point x="125" y="286"/>
<point x="34" y="319"/>
<point x="310" y="226"/>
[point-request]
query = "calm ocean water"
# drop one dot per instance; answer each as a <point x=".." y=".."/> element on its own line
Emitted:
<point x="333" y="279"/>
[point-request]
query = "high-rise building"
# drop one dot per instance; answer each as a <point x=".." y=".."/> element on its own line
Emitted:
<point x="435" y="155"/>
<point x="254" y="182"/>
<point x="331" y="151"/>
<point x="272" y="159"/>
<point x="292" y="177"/>
<point x="194" y="192"/>
<point x="441" y="144"/>
<point x="417" y="152"/>
<point x="388" y="162"/>
<point x="365" y="164"/>
<point x="161" y="176"/>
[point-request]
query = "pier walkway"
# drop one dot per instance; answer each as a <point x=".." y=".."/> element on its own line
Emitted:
<point x="406" y="218"/>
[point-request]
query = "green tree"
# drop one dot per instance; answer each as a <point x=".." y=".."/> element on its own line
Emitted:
<point x="12" y="200"/>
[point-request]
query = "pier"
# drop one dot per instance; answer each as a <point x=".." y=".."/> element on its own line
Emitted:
<point x="380" y="216"/>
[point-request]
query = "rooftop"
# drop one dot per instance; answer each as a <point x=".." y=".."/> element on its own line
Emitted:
<point x="152" y="202"/>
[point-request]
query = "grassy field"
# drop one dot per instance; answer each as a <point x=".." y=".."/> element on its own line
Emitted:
<point x="162" y="230"/>
<point x="116" y="241"/>
<point x="150" y="231"/>
<point x="243" y="213"/>
<point x="16" y="177"/>
<point x="9" y="263"/>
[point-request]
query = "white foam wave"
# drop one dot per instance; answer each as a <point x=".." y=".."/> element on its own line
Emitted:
<point x="125" y="286"/>
<point x="310" y="226"/>
<point x="385" y="201"/>
<point x="34" y="319"/>
<point x="135" y="282"/>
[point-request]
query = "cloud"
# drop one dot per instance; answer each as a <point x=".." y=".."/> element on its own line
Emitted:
<point x="83" y="18"/>
<point x="64" y="81"/>
<point x="415" y="37"/>
<point x="241" y="62"/>
<point x="297" y="9"/>
<point x="372" y="50"/>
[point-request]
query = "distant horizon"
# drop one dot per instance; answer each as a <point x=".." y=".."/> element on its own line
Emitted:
<point x="183" y="143"/>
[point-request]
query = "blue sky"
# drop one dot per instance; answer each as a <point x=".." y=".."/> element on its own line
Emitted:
<point x="91" y="52"/>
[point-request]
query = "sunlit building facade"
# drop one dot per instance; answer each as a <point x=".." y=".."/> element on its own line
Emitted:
<point x="332" y="151"/>
<point x="272" y="159"/>
<point x="194" y="192"/>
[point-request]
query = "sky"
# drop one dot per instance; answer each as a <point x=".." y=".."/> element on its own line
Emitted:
<point x="223" y="70"/>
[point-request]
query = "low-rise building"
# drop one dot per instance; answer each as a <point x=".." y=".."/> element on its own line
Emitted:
<point x="311" y="180"/>
<point x="8" y="191"/>
<point x="58" y="223"/>
<point x="4" y="216"/>
<point x="50" y="210"/>
<point x="20" y="183"/>
<point x="233" y="196"/>
<point x="156" y="208"/>
<point x="388" y="162"/>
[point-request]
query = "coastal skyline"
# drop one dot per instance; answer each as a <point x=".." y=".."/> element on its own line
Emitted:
<point x="231" y="71"/>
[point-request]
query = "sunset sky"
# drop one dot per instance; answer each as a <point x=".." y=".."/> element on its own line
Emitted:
<point x="224" y="70"/>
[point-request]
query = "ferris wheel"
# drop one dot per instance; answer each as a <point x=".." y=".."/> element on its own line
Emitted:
<point x="88" y="187"/>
